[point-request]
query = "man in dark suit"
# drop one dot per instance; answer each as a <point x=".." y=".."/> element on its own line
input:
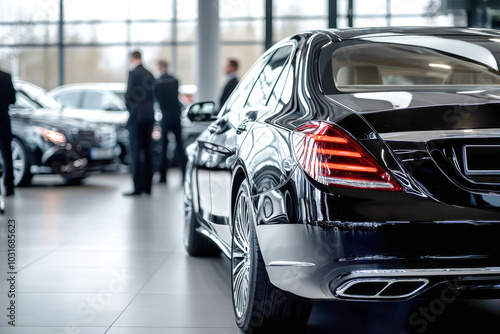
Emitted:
<point x="7" y="97"/>
<point x="230" y="69"/>
<point x="166" y="89"/>
<point x="139" y="99"/>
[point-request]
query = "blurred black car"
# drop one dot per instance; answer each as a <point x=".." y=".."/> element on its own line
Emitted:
<point x="353" y="165"/>
<point x="47" y="143"/>
<point x="103" y="104"/>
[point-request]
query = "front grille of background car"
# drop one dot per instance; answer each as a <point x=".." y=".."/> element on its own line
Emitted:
<point x="108" y="137"/>
<point x="98" y="138"/>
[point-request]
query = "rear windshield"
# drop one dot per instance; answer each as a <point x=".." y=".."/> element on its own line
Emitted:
<point x="411" y="63"/>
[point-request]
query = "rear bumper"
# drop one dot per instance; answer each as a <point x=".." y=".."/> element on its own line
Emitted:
<point x="393" y="261"/>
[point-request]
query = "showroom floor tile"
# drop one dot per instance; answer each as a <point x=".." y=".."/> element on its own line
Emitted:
<point x="70" y="309"/>
<point x="91" y="261"/>
<point x="179" y="310"/>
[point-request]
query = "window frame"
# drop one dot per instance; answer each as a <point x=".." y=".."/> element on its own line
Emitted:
<point x="291" y="44"/>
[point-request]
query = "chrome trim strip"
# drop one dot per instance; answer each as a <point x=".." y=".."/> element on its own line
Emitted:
<point x="341" y="291"/>
<point x="424" y="272"/>
<point x="225" y="248"/>
<point x="291" y="263"/>
<point x="420" y="136"/>
<point x="358" y="183"/>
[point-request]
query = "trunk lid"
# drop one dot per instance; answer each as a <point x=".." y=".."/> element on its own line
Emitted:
<point x="448" y="142"/>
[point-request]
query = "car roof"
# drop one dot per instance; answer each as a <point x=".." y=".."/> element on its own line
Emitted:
<point x="354" y="33"/>
<point x="20" y="84"/>
<point x="109" y="86"/>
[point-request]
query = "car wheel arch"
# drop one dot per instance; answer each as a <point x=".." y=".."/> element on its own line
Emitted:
<point x="239" y="175"/>
<point x="26" y="146"/>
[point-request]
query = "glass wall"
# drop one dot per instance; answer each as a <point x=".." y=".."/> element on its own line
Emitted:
<point x="291" y="16"/>
<point x="28" y="40"/>
<point x="97" y="35"/>
<point x="377" y="13"/>
<point x="242" y="31"/>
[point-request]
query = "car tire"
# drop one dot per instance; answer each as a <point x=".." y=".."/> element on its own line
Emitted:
<point x="194" y="242"/>
<point x="22" y="163"/>
<point x="257" y="305"/>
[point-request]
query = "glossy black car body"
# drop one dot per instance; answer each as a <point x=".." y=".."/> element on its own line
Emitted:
<point x="45" y="142"/>
<point x="422" y="103"/>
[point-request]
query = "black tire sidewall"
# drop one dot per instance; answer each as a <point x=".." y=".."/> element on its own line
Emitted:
<point x="188" y="206"/>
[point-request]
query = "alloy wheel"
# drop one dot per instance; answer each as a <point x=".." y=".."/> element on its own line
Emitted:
<point x="18" y="161"/>
<point x="241" y="261"/>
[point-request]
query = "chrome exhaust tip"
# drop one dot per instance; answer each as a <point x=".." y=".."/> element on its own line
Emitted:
<point x="380" y="288"/>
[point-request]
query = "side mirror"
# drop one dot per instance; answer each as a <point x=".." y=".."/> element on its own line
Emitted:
<point x="201" y="111"/>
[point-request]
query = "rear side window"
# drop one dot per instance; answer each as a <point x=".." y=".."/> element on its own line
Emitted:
<point x="69" y="99"/>
<point x="268" y="77"/>
<point x="240" y="94"/>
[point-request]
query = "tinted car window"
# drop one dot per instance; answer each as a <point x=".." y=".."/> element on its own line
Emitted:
<point x="69" y="99"/>
<point x="239" y="96"/>
<point x="268" y="77"/>
<point x="278" y="88"/>
<point x="98" y="100"/>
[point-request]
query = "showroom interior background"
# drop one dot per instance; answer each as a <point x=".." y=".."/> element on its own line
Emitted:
<point x="50" y="42"/>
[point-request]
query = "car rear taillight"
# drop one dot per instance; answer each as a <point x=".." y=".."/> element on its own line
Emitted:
<point x="332" y="157"/>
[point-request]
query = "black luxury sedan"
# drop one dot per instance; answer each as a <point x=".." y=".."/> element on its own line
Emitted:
<point x="353" y="165"/>
<point x="45" y="142"/>
<point x="104" y="104"/>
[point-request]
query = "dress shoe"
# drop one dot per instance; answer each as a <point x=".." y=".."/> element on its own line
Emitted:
<point x="133" y="193"/>
<point x="9" y="192"/>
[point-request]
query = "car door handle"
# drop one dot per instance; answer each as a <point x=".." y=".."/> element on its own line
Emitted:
<point x="213" y="128"/>
<point x="242" y="127"/>
<point x="216" y="148"/>
<point x="217" y="126"/>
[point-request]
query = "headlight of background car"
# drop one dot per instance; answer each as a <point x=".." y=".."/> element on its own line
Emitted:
<point x="54" y="137"/>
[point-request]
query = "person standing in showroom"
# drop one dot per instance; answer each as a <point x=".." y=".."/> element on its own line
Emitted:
<point x="7" y="97"/>
<point x="139" y="100"/>
<point x="230" y="68"/>
<point x="166" y="89"/>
